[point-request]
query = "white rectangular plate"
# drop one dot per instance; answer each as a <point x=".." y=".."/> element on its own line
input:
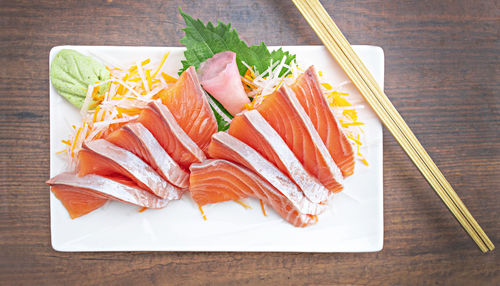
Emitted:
<point x="354" y="223"/>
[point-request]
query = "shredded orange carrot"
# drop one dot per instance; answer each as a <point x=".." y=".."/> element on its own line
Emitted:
<point x="94" y="93"/>
<point x="66" y="142"/>
<point x="62" y="151"/>
<point x="165" y="56"/>
<point x="129" y="111"/>
<point x="120" y="90"/>
<point x="97" y="109"/>
<point x="119" y="69"/>
<point x="249" y="74"/>
<point x="157" y="95"/>
<point x="94" y="104"/>
<point x="125" y="77"/>
<point x="326" y="85"/>
<point x="340" y="93"/>
<point x="248" y="82"/>
<point x="143" y="209"/>
<point x="148" y="78"/>
<point x="262" y="207"/>
<point x="279" y="84"/>
<point x="244" y="205"/>
<point x="168" y="78"/>
<point x="361" y="157"/>
<point x="354" y="139"/>
<point x="99" y="134"/>
<point x="133" y="73"/>
<point x="252" y="74"/>
<point x="347" y="124"/>
<point x="258" y="97"/>
<point x="336" y="100"/>
<point x="202" y="213"/>
<point x="351" y="114"/>
<point x="249" y="106"/>
<point x="76" y="138"/>
<point x="134" y="68"/>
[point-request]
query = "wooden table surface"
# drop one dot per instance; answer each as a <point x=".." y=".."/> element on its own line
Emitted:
<point x="442" y="74"/>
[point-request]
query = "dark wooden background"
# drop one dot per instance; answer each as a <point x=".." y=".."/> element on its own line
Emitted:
<point x="442" y="73"/>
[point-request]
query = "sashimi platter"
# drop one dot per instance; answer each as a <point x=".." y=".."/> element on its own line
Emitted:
<point x="214" y="146"/>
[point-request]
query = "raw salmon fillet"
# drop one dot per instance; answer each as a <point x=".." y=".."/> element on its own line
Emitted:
<point x="105" y="188"/>
<point x="219" y="180"/>
<point x="285" y="114"/>
<point x="188" y="103"/>
<point x="77" y="203"/>
<point x="106" y="159"/>
<point x="227" y="147"/>
<point x="137" y="139"/>
<point x="312" y="99"/>
<point x="251" y="128"/>
<point x="161" y="123"/>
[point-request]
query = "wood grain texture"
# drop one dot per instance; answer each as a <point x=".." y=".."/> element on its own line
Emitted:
<point x="442" y="74"/>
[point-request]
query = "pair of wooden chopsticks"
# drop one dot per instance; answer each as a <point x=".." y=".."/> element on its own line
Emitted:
<point x="339" y="47"/>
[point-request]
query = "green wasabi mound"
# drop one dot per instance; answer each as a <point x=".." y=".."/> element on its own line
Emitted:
<point x="71" y="73"/>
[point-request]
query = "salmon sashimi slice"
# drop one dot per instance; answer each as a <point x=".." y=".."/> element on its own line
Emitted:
<point x="137" y="139"/>
<point x="106" y="188"/>
<point x="161" y="123"/>
<point x="227" y="147"/>
<point x="312" y="99"/>
<point x="189" y="104"/>
<point x="219" y="180"/>
<point x="77" y="203"/>
<point x="285" y="114"/>
<point x="106" y="159"/>
<point x="251" y="128"/>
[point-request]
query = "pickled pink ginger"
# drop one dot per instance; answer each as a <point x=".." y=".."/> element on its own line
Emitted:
<point x="220" y="77"/>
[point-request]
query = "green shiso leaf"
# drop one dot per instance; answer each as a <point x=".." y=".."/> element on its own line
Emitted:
<point x="203" y="41"/>
<point x="221" y="114"/>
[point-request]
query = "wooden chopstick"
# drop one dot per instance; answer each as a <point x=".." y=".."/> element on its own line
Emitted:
<point x="341" y="50"/>
<point x="430" y="171"/>
<point x="398" y="136"/>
